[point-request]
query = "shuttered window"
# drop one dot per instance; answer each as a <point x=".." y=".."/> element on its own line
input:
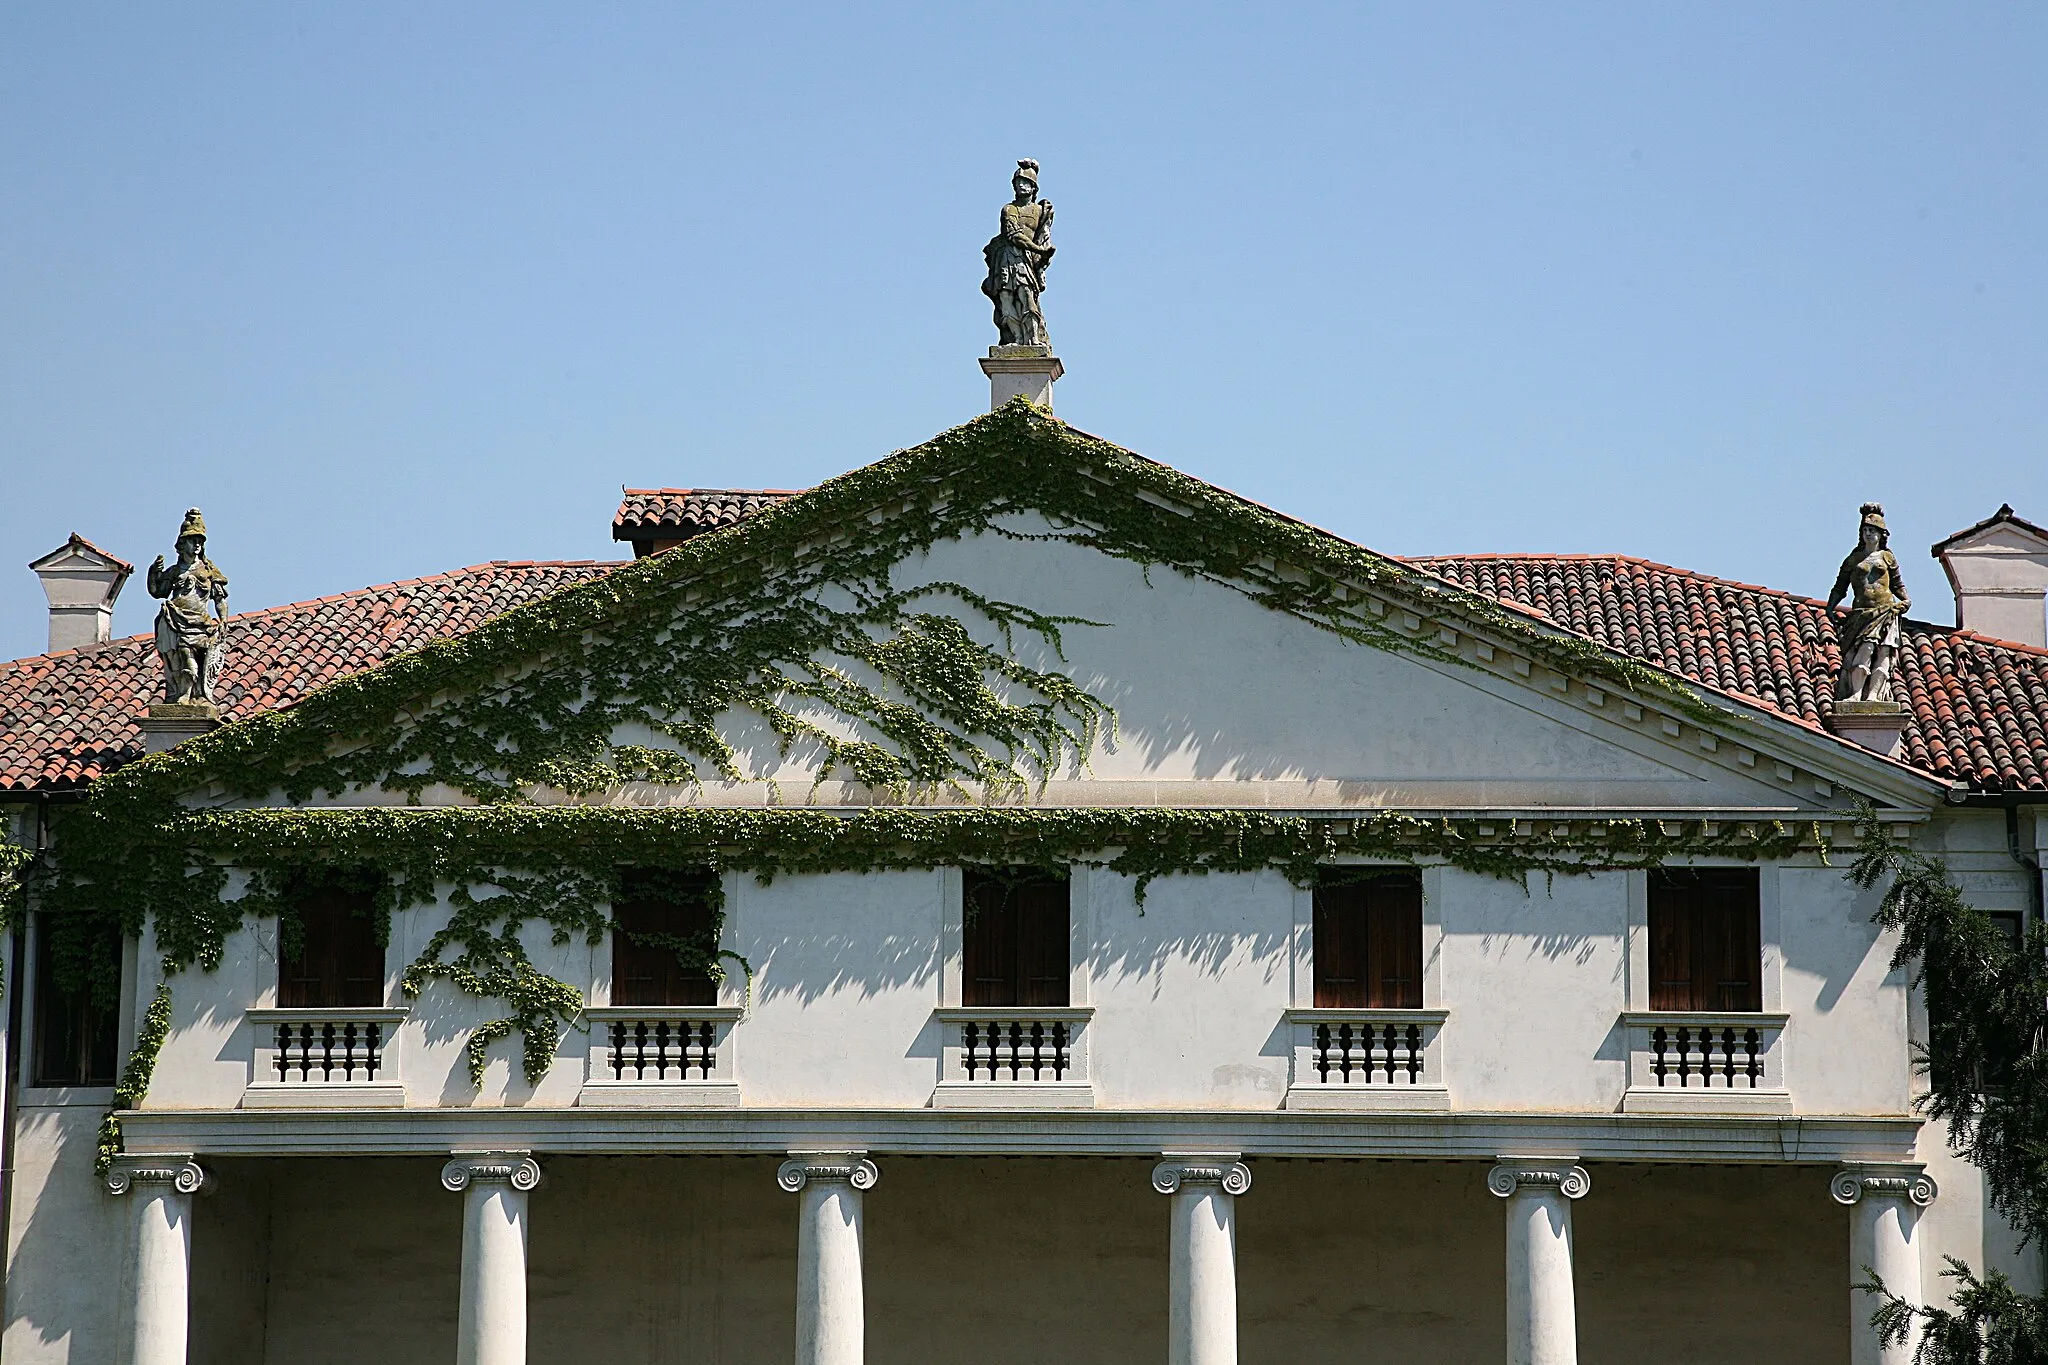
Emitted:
<point x="1016" y="949"/>
<point x="657" y="911"/>
<point x="1706" y="942"/>
<point x="76" y="1029"/>
<point x="332" y="960"/>
<point x="1368" y="940"/>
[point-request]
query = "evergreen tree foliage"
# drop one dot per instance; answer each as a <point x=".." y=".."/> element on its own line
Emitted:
<point x="1987" y="1020"/>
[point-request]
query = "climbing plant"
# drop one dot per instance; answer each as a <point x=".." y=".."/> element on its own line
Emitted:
<point x="801" y="628"/>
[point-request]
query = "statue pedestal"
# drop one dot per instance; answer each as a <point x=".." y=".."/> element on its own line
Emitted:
<point x="1021" y="371"/>
<point x="171" y="723"/>
<point x="1879" y="726"/>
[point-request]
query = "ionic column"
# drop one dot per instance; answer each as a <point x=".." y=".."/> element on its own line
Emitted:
<point x="1543" y="1313"/>
<point x="831" y="1308"/>
<point x="1884" y="1212"/>
<point x="161" y="1190"/>
<point x="1202" y="1271"/>
<point x="491" y="1324"/>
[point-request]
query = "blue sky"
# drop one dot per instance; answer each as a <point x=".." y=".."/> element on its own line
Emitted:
<point x="393" y="288"/>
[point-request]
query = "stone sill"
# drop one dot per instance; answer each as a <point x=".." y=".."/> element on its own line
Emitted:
<point x="659" y="1095"/>
<point x="1370" y="1098"/>
<point x="1013" y="1095"/>
<point x="1673" y="1099"/>
<point x="325" y="1095"/>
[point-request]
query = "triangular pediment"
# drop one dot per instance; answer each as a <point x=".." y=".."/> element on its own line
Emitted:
<point x="1018" y="611"/>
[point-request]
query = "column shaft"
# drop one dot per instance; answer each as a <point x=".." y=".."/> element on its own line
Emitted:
<point x="831" y="1306"/>
<point x="491" y="1317"/>
<point x="160" y="1268"/>
<point x="1202" y="1256"/>
<point x="1542" y="1306"/>
<point x="1884" y="1214"/>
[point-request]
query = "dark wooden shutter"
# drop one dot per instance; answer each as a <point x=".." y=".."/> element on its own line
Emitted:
<point x="1367" y="951"/>
<point x="77" y="1031"/>
<point x="340" y="964"/>
<point x="1018" y="928"/>
<point x="673" y="905"/>
<point x="1706" y="941"/>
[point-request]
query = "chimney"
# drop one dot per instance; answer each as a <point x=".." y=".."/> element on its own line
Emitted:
<point x="1999" y="569"/>
<point x="81" y="580"/>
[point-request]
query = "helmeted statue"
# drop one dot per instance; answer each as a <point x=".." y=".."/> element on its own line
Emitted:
<point x="189" y="639"/>
<point x="1877" y="599"/>
<point x="1017" y="256"/>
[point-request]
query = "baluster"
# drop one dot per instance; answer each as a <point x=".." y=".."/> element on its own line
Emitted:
<point x="1415" y="1054"/>
<point x="1752" y="1065"/>
<point x="1322" y="1053"/>
<point x="1379" y="1052"/>
<point x="373" y="1044"/>
<point x="1060" y="1042"/>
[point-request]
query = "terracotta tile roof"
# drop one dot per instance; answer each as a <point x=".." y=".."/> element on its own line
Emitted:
<point x="1980" y="706"/>
<point x="66" y="718"/>
<point x="650" y="514"/>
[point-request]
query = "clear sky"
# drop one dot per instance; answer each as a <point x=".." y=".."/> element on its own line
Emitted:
<point x="392" y="288"/>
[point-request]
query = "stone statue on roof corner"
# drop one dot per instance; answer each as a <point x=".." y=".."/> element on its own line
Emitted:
<point x="1017" y="257"/>
<point x="189" y="639"/>
<point x="1869" y="631"/>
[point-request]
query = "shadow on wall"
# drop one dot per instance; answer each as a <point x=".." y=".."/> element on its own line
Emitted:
<point x="70" y="1252"/>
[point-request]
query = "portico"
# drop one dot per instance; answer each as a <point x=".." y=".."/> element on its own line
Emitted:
<point x="1203" y="1254"/>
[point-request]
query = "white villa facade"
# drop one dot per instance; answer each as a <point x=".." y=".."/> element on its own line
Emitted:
<point x="1395" y="1107"/>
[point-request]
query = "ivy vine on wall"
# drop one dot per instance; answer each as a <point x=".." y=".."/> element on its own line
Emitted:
<point x="795" y="618"/>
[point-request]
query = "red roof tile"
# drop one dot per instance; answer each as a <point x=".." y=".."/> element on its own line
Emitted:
<point x="650" y="514"/>
<point x="68" y="717"/>
<point x="1979" y="706"/>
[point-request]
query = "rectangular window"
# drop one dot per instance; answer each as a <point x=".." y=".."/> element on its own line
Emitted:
<point x="78" y="1007"/>
<point x="1018" y="927"/>
<point x="332" y="959"/>
<point x="658" y="911"/>
<point x="1706" y="942"/>
<point x="1368" y="940"/>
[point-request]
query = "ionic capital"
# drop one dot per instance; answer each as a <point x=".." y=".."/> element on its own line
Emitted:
<point x="1883" y="1180"/>
<point x="180" y="1172"/>
<point x="1517" y="1173"/>
<point x="843" y="1167"/>
<point x="1222" y="1169"/>
<point x="517" y="1169"/>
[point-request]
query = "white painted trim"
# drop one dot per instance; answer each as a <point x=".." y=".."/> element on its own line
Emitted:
<point x="1637" y="956"/>
<point x="1081" y="934"/>
<point x="733" y="990"/>
<point x="1771" y="938"/>
<point x="1432" y="940"/>
<point x="1301" y="949"/>
<point x="952" y="883"/>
